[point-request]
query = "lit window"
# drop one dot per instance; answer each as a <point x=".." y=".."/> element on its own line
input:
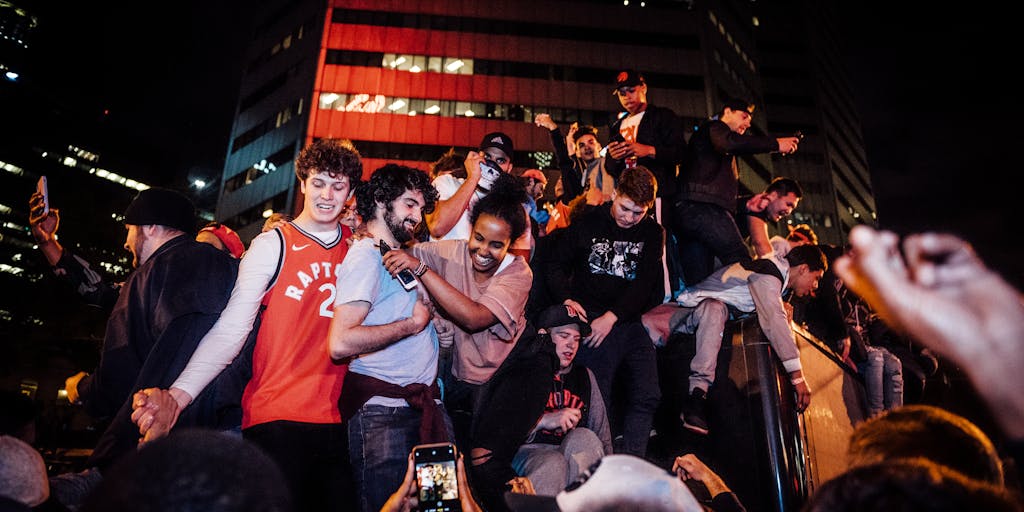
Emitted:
<point x="364" y="103"/>
<point x="434" y="64"/>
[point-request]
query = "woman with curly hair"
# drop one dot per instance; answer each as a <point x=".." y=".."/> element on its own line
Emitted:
<point x="497" y="386"/>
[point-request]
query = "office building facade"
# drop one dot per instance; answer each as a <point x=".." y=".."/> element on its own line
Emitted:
<point x="407" y="81"/>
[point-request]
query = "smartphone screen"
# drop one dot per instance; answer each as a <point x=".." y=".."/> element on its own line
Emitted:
<point x="436" y="478"/>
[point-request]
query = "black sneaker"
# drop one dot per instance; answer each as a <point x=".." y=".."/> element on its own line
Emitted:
<point x="694" y="415"/>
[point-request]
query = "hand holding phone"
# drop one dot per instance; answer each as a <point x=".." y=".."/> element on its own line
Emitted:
<point x="437" y="480"/>
<point x="405" y="277"/>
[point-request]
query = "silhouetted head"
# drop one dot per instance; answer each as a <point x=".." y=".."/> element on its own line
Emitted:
<point x="193" y="469"/>
<point x="929" y="432"/>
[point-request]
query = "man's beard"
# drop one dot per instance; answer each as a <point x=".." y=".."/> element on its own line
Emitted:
<point x="137" y="248"/>
<point x="397" y="227"/>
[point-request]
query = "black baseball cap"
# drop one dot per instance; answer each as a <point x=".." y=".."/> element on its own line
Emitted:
<point x="559" y="315"/>
<point x="738" y="104"/>
<point x="628" y="78"/>
<point x="498" y="140"/>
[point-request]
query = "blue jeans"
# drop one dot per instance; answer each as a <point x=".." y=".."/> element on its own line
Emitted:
<point x="883" y="380"/>
<point x="380" y="439"/>
<point x="705" y="232"/>
<point x="627" y="352"/>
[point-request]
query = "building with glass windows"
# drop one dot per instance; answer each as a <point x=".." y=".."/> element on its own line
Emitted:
<point x="806" y="90"/>
<point x="407" y="81"/>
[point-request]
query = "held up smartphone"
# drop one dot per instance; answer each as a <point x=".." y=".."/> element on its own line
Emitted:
<point x="43" y="190"/>
<point x="405" y="277"/>
<point x="437" y="483"/>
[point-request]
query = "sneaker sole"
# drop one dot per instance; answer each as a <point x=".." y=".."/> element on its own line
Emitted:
<point x="695" y="428"/>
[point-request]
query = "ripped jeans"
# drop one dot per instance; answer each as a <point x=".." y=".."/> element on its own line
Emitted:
<point x="883" y="380"/>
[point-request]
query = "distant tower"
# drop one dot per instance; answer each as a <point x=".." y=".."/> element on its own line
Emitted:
<point x="807" y="89"/>
<point x="16" y="27"/>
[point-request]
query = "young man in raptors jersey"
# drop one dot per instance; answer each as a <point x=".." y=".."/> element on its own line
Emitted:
<point x="289" y="407"/>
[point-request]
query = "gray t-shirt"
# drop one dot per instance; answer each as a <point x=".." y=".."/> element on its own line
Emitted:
<point x="362" y="277"/>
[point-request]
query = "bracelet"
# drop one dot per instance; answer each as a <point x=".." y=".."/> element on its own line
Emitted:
<point x="798" y="380"/>
<point x="420" y="269"/>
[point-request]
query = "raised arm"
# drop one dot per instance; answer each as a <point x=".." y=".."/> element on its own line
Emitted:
<point x="453" y="203"/>
<point x="571" y="176"/>
<point x="759" y="238"/>
<point x="943" y="296"/>
<point x="470" y="316"/>
<point x="69" y="268"/>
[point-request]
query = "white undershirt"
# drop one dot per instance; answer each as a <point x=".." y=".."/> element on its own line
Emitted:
<point x="630" y="125"/>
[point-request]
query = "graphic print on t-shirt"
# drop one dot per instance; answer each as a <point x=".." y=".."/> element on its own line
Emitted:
<point x="630" y="125"/>
<point x="614" y="258"/>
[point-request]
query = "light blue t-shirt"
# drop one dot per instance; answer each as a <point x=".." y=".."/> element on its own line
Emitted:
<point x="362" y="277"/>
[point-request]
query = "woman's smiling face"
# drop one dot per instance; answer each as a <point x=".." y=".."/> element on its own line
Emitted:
<point x="489" y="243"/>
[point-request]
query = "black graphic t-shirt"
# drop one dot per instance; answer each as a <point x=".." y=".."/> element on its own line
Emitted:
<point x="571" y="390"/>
<point x="615" y="258"/>
<point x="608" y="268"/>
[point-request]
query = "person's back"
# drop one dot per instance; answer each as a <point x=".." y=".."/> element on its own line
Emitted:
<point x="285" y="286"/>
<point x="174" y="296"/>
<point x="193" y="470"/>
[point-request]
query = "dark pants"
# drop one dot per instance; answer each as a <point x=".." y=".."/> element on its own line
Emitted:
<point x="704" y="232"/>
<point x="313" y="458"/>
<point x="380" y="439"/>
<point x="626" y="356"/>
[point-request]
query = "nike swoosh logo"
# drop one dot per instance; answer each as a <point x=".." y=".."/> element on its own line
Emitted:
<point x="299" y="247"/>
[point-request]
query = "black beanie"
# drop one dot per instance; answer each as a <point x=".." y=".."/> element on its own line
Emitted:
<point x="164" y="207"/>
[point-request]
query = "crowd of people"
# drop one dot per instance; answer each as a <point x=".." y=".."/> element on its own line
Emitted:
<point x="453" y="305"/>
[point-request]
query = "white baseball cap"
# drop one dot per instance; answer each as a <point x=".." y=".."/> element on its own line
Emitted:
<point x="616" y="481"/>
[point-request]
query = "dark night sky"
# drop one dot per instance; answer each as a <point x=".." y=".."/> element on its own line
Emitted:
<point x="933" y="86"/>
<point x="938" y="107"/>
